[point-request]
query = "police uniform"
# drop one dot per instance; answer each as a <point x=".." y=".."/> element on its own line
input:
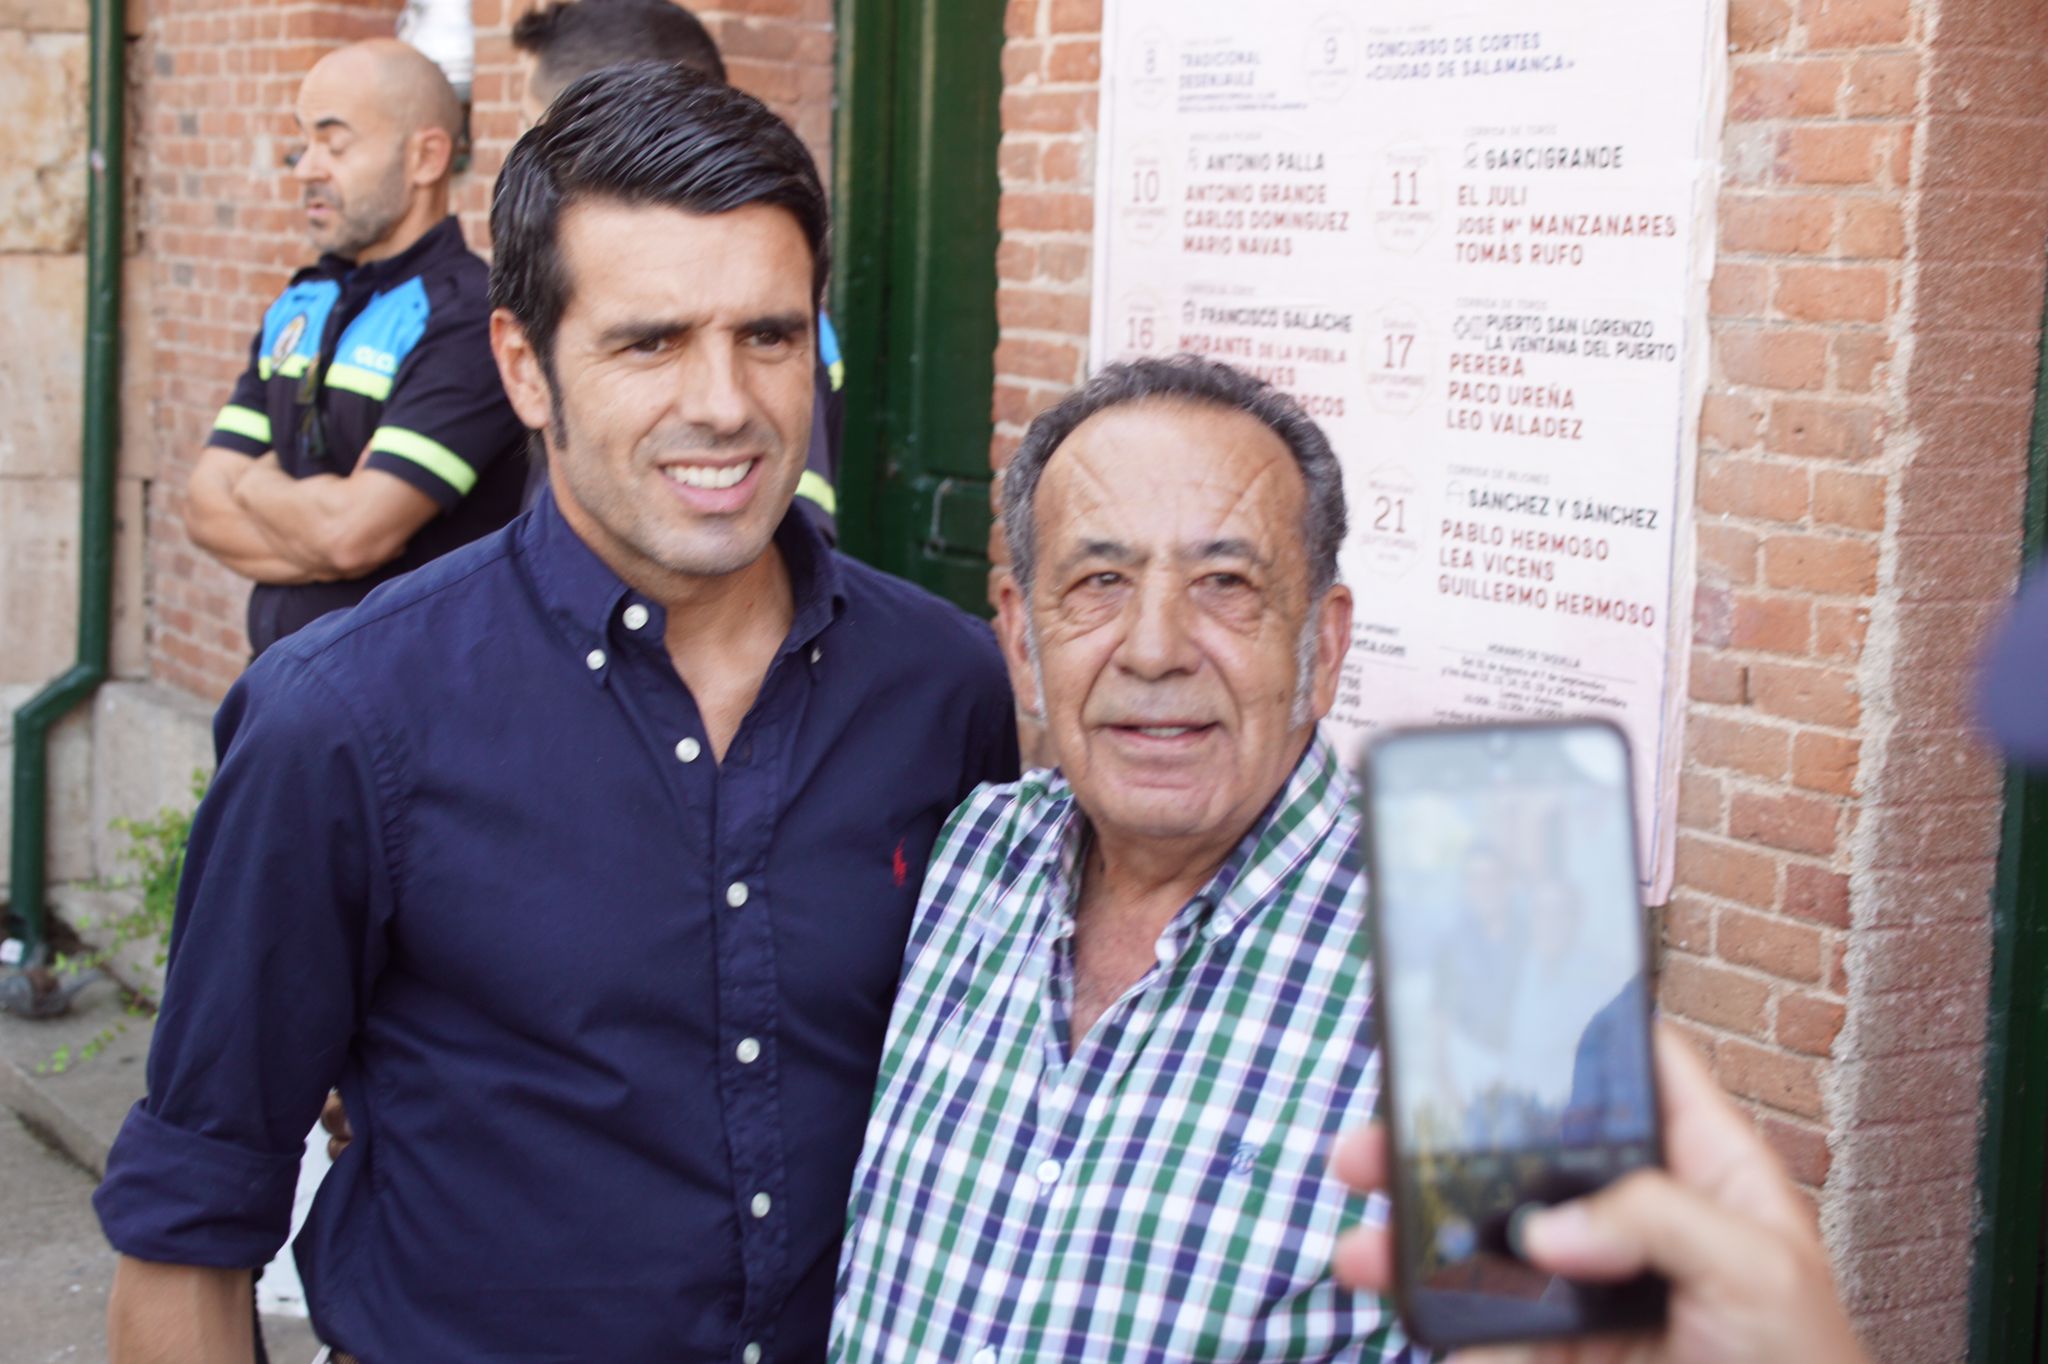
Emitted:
<point x="393" y="357"/>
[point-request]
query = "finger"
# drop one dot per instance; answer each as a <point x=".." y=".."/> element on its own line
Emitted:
<point x="1360" y="1158"/>
<point x="1649" y="1221"/>
<point x="1365" y="1259"/>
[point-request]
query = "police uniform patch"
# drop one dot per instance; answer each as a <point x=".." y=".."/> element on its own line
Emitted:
<point x="288" y="340"/>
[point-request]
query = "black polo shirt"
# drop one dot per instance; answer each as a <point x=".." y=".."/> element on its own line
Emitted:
<point x="393" y="357"/>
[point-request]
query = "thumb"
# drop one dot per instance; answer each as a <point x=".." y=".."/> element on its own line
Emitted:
<point x="1648" y="1221"/>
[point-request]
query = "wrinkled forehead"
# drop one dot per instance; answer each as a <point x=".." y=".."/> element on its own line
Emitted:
<point x="1162" y="474"/>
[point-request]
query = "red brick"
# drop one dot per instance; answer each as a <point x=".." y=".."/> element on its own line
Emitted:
<point x="1077" y="62"/>
<point x="1967" y="152"/>
<point x="1948" y="567"/>
<point x="1054" y="361"/>
<point x="1731" y="421"/>
<point x="1029" y="212"/>
<point x="1882" y="83"/>
<point x="1834" y="154"/>
<point x="1689" y="925"/>
<point x="1927" y="958"/>
<point x="1788" y="1083"/>
<point x="1757" y="750"/>
<point x="1715" y="996"/>
<point x="1856" y="23"/>
<point x="1713" y="678"/>
<point x="1048" y="111"/>
<point x="1077" y="16"/>
<point x="1840" y="431"/>
<point x="1986" y="83"/>
<point x="1921" y="1020"/>
<point x="1928" y="833"/>
<point x="1852" y="500"/>
<point x="1983" y="224"/>
<point x="1759" y="489"/>
<point x="1772" y="623"/>
<point x="1700" y="802"/>
<point x="1971" y="296"/>
<point x="1824" y="564"/>
<point x="1016" y="261"/>
<point x="1889" y="1217"/>
<point x="1802" y="1146"/>
<point x="1943" y="766"/>
<point x="1777" y="224"/>
<point x="1778" y="947"/>
<point x="1977" y="364"/>
<point x="1738" y="290"/>
<point x="1895" y="1154"/>
<point x="1809" y="1024"/>
<point x="1794" y="89"/>
<point x="1971" y="432"/>
<point x="1795" y="823"/>
<point x="1754" y="25"/>
<point x="1727" y="555"/>
<point x="1816" y="695"/>
<point x="1727" y="870"/>
<point x="1889" y="1278"/>
<point x="1826" y="763"/>
<point x="1040" y="310"/>
<point x="1020" y="18"/>
<point x="1773" y="357"/>
<point x="1823" y="293"/>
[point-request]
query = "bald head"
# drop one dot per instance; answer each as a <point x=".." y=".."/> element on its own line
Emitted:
<point x="381" y="124"/>
<point x="399" y="78"/>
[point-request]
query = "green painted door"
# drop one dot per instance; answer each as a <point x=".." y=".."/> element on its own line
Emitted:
<point x="914" y="189"/>
<point x="2012" y="1233"/>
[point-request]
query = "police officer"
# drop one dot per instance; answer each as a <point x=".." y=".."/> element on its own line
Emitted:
<point x="370" y="432"/>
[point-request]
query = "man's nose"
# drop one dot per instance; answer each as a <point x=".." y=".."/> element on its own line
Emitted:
<point x="713" y="392"/>
<point x="1157" y="641"/>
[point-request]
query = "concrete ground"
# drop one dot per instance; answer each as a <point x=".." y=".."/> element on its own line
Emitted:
<point x="55" y="1266"/>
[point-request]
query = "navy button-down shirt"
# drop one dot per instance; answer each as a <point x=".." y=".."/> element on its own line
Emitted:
<point x="606" y="1013"/>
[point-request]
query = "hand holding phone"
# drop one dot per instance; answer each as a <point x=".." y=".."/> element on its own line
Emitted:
<point x="1513" y="1002"/>
<point x="1749" y="1277"/>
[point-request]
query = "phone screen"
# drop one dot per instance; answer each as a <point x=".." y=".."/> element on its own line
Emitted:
<point x="1514" y="1006"/>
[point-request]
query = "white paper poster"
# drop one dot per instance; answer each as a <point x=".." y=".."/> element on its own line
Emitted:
<point x="1474" y="240"/>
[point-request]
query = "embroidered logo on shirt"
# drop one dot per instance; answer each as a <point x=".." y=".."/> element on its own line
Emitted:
<point x="288" y="340"/>
<point x="898" y="868"/>
<point x="1244" y="1157"/>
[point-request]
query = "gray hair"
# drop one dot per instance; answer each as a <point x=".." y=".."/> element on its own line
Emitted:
<point x="1186" y="378"/>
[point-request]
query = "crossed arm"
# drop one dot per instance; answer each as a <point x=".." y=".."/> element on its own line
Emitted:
<point x="266" y="525"/>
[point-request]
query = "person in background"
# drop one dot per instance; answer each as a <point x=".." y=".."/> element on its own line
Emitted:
<point x="370" y="433"/>
<point x="582" y="860"/>
<point x="562" y="42"/>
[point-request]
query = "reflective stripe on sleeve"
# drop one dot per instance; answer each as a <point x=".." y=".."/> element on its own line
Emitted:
<point x="436" y="458"/>
<point x="814" y="486"/>
<point x="243" y="421"/>
<point x="356" y="379"/>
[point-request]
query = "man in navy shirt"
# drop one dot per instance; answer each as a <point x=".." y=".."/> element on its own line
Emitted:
<point x="583" y="858"/>
<point x="369" y="433"/>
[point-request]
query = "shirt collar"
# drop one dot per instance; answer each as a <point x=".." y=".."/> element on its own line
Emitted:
<point x="1309" y="804"/>
<point x="582" y="596"/>
<point x="442" y="236"/>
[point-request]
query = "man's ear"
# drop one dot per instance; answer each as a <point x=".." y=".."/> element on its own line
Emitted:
<point x="519" y="368"/>
<point x="1333" y="642"/>
<point x="429" y="155"/>
<point x="1013" y="626"/>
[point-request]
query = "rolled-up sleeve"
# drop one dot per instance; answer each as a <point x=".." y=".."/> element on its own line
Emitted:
<point x="278" y="939"/>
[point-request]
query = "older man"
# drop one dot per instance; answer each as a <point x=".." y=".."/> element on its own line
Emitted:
<point x="369" y="433"/>
<point x="1135" y="1005"/>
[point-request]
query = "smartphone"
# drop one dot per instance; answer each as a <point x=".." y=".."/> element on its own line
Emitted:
<point x="1513" y="1006"/>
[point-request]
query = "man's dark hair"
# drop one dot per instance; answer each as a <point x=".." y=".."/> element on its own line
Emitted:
<point x="645" y="136"/>
<point x="569" y="39"/>
<point x="1184" y="378"/>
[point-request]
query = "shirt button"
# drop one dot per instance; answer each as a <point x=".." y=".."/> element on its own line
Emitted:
<point x="816" y="653"/>
<point x="985" y="1355"/>
<point x="594" y="659"/>
<point x="749" y="1051"/>
<point x="761" y="1204"/>
<point x="752" y="1354"/>
<point x="635" y="616"/>
<point x="688" y="749"/>
<point x="736" y="894"/>
<point x="1048" y="1172"/>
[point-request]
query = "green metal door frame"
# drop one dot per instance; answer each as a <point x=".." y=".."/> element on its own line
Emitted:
<point x="2006" y="1288"/>
<point x="913" y="291"/>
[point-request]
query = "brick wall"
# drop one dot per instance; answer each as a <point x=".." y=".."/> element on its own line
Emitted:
<point x="216" y="214"/>
<point x="1875" y="312"/>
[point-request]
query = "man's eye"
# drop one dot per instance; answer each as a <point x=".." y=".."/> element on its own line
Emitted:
<point x="768" y="340"/>
<point x="650" y="345"/>
<point x="1107" y="578"/>
<point x="1228" y="582"/>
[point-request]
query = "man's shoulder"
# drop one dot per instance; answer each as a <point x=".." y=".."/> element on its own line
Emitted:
<point x="404" y="623"/>
<point x="996" y="833"/>
<point x="917" y="625"/>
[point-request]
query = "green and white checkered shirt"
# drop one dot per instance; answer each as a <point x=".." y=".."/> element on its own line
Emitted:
<point x="1162" y="1194"/>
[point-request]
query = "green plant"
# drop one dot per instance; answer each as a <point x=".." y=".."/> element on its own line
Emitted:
<point x="156" y="851"/>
